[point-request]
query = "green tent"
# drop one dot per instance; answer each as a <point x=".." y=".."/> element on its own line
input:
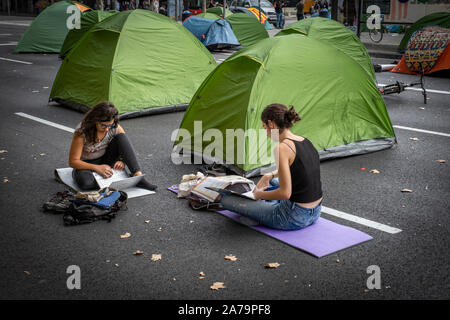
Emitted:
<point x="49" y="29"/>
<point x="208" y="15"/>
<point x="246" y="28"/>
<point x="341" y="108"/>
<point x="335" y="34"/>
<point x="87" y="21"/>
<point x="441" y="19"/>
<point x="219" y="11"/>
<point x="140" y="60"/>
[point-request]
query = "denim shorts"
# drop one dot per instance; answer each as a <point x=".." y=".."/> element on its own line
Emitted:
<point x="292" y="216"/>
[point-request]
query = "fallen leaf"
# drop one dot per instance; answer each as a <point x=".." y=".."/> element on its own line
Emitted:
<point x="156" y="257"/>
<point x="138" y="253"/>
<point x="201" y="277"/>
<point x="159" y="229"/>
<point x="441" y="161"/>
<point x="116" y="264"/>
<point x="337" y="260"/>
<point x="3" y="151"/>
<point x="230" y="257"/>
<point x="174" y="279"/>
<point x="137" y="214"/>
<point x="414" y="139"/>
<point x="374" y="171"/>
<point x="406" y="190"/>
<point x="42" y="154"/>
<point x="147" y="221"/>
<point x="5" y="180"/>
<point x="421" y="108"/>
<point x="218" y="285"/>
<point x="126" y="235"/>
<point x="27" y="273"/>
<point x="202" y="273"/>
<point x="45" y="87"/>
<point x="272" y="265"/>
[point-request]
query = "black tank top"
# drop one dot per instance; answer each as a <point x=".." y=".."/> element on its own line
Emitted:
<point x="305" y="173"/>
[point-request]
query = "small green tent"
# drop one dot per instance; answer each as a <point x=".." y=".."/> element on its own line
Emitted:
<point x="140" y="60"/>
<point x="87" y="21"/>
<point x="49" y="29"/>
<point x="341" y="108"/>
<point x="246" y="28"/>
<point x="335" y="34"/>
<point x="441" y="19"/>
<point x="219" y="11"/>
<point x="208" y="15"/>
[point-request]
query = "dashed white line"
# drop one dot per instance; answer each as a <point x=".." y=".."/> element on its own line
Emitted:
<point x="49" y="123"/>
<point x="18" y="61"/>
<point x="423" y="131"/>
<point x="359" y="220"/>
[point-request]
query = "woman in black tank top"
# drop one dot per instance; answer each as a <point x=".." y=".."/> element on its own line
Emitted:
<point x="296" y="196"/>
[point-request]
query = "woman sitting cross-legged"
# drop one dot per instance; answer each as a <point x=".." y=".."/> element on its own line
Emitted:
<point x="99" y="144"/>
<point x="297" y="195"/>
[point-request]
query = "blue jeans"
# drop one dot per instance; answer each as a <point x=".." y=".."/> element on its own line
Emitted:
<point x="276" y="214"/>
<point x="280" y="20"/>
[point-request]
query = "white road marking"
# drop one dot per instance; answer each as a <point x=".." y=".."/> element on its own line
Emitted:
<point x="12" y="43"/>
<point x="359" y="220"/>
<point x="23" y="24"/>
<point x="419" y="89"/>
<point x="49" y="123"/>
<point x="5" y="34"/>
<point x="421" y="130"/>
<point x="18" y="61"/>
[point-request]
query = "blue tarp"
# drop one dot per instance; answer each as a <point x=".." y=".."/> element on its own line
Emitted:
<point x="214" y="34"/>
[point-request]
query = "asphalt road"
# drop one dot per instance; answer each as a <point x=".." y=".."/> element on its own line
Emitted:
<point x="36" y="248"/>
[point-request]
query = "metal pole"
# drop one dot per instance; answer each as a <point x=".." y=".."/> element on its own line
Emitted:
<point x="358" y="28"/>
<point x="259" y="6"/>
<point x="223" y="11"/>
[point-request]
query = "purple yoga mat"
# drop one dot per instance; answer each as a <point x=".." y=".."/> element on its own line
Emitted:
<point x="320" y="239"/>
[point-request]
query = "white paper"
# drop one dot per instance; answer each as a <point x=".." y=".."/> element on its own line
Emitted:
<point x="106" y="182"/>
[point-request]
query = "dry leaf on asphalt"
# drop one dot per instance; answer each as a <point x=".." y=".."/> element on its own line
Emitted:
<point x="414" y="139"/>
<point x="126" y="235"/>
<point x="374" y="171"/>
<point x="218" y="285"/>
<point x="230" y="257"/>
<point x="42" y="154"/>
<point x="202" y="273"/>
<point x="27" y="272"/>
<point x="147" y="221"/>
<point x="3" y="151"/>
<point x="272" y="265"/>
<point x="441" y="161"/>
<point x="159" y="229"/>
<point x="5" y="180"/>
<point x="156" y="257"/>
<point x="138" y="253"/>
<point x="406" y="190"/>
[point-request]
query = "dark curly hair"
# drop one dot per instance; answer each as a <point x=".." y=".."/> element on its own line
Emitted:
<point x="103" y="112"/>
<point x="283" y="117"/>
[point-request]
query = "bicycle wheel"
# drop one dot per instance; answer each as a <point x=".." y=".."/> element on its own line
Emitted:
<point x="376" y="35"/>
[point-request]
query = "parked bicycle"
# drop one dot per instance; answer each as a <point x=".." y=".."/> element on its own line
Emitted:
<point x="376" y="35"/>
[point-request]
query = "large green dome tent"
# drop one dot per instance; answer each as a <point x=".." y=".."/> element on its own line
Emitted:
<point x="140" y="60"/>
<point x="246" y="28"/>
<point x="441" y="19"/>
<point x="341" y="108"/>
<point x="335" y="34"/>
<point x="87" y="21"/>
<point x="48" y="30"/>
